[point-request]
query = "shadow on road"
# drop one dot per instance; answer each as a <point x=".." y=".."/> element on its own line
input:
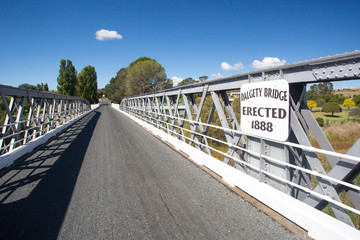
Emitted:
<point x="35" y="194"/>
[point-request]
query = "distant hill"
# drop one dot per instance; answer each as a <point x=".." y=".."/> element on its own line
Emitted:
<point x="347" y="92"/>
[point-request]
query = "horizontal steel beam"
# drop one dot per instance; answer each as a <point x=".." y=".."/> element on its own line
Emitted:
<point x="20" y="92"/>
<point x="333" y="68"/>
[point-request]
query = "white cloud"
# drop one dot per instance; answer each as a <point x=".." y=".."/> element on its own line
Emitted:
<point x="176" y="80"/>
<point x="268" y="62"/>
<point x="227" y="67"/>
<point x="104" y="34"/>
<point x="216" y="75"/>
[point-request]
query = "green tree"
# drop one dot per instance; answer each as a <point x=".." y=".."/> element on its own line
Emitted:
<point x="46" y="87"/>
<point x="2" y="112"/>
<point x="145" y="76"/>
<point x="320" y="102"/>
<point x="140" y="59"/>
<point x="332" y="107"/>
<point x="27" y="86"/>
<point x="319" y="90"/>
<point x="338" y="98"/>
<point x="203" y="78"/>
<point x="186" y="81"/>
<point x="349" y="103"/>
<point x="67" y="80"/>
<point x="115" y="90"/>
<point x="87" y="81"/>
<point x="357" y="100"/>
<point x="40" y="87"/>
<point x="166" y="84"/>
<point x="311" y="104"/>
<point x="100" y="93"/>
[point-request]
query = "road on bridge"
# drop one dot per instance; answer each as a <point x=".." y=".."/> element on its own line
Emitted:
<point x="107" y="178"/>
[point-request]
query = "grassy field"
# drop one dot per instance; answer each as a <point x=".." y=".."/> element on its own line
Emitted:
<point x="340" y="117"/>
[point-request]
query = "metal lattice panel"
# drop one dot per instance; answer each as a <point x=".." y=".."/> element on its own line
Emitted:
<point x="31" y="114"/>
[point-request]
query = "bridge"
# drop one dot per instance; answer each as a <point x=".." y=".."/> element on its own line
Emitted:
<point x="149" y="168"/>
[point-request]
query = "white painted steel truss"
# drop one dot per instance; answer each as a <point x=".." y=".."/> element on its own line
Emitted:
<point x="293" y="166"/>
<point x="30" y="114"/>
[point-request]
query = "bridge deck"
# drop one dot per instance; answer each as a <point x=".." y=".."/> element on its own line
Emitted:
<point x="107" y="178"/>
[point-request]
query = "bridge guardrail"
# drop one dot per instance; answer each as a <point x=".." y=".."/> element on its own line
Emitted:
<point x="31" y="114"/>
<point x="292" y="166"/>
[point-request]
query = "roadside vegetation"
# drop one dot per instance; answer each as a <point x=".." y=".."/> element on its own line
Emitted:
<point x="338" y="114"/>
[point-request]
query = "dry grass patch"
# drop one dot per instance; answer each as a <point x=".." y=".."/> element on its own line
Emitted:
<point x="347" y="132"/>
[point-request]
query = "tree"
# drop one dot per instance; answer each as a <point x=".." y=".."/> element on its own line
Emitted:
<point x="186" y="81"/>
<point x="318" y="90"/>
<point x="348" y="103"/>
<point x="331" y="107"/>
<point x="357" y="100"/>
<point x="145" y="76"/>
<point x="166" y="84"/>
<point x="88" y="84"/>
<point x="203" y="78"/>
<point x="67" y="78"/>
<point x="311" y="104"/>
<point x="38" y="87"/>
<point x="27" y="86"/>
<point x="140" y="59"/>
<point x="46" y="87"/>
<point x="320" y="102"/>
<point x="100" y="93"/>
<point x="115" y="90"/>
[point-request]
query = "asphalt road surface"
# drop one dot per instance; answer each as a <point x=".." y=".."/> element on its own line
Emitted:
<point x="107" y="178"/>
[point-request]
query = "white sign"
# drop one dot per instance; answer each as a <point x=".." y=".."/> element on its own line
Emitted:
<point x="265" y="109"/>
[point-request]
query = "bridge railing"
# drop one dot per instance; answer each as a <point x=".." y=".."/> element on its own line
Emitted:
<point x="293" y="166"/>
<point x="30" y="114"/>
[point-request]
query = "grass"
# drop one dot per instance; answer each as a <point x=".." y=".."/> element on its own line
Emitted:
<point x="340" y="117"/>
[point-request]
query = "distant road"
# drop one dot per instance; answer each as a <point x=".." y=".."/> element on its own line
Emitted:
<point x="104" y="101"/>
<point x="107" y="178"/>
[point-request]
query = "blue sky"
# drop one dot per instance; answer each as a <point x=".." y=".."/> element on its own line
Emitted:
<point x="189" y="38"/>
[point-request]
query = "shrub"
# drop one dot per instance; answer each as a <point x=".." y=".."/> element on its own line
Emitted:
<point x="348" y="103"/>
<point x="320" y="121"/>
<point x="355" y="112"/>
<point x="311" y="104"/>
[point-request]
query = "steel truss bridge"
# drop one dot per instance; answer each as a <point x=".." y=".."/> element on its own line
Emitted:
<point x="203" y="117"/>
<point x="287" y="166"/>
